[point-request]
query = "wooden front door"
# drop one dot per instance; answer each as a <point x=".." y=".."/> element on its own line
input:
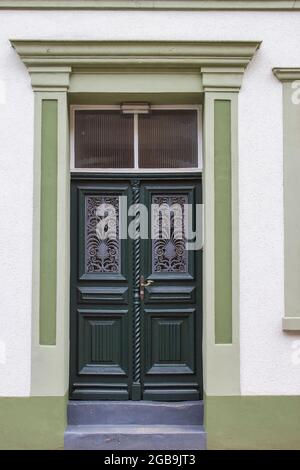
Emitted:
<point x="136" y="303"/>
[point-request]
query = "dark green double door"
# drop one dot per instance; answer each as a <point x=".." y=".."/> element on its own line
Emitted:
<point x="136" y="301"/>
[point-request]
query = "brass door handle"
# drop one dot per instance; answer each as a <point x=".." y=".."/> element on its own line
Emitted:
<point x="144" y="284"/>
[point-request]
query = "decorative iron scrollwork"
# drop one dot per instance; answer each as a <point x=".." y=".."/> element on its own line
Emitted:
<point x="102" y="253"/>
<point x="169" y="253"/>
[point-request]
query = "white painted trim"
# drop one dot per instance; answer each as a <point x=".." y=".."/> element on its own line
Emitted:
<point x="136" y="169"/>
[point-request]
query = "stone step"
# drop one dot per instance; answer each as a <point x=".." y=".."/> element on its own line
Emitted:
<point x="135" y="437"/>
<point x="135" y="412"/>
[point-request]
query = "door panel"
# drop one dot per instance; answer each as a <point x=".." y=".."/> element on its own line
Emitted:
<point x="124" y="345"/>
<point x="170" y="341"/>
<point x="103" y="295"/>
<point x="102" y="342"/>
<point x="171" y="309"/>
<point x="100" y="295"/>
<point x="168" y="294"/>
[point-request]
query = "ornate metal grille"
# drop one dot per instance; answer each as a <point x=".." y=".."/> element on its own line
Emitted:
<point x="169" y="253"/>
<point x="102" y="253"/>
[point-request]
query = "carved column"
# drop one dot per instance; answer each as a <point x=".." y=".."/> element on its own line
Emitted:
<point x="136" y="386"/>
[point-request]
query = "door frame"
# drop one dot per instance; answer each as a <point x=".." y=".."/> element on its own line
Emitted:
<point x="72" y="72"/>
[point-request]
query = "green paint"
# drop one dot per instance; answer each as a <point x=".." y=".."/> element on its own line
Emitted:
<point x="194" y="5"/>
<point x="153" y="98"/>
<point x="291" y="323"/>
<point x="50" y="365"/>
<point x="135" y="82"/>
<point x="287" y="74"/>
<point x="134" y="55"/>
<point x="56" y="78"/>
<point x="221" y="362"/>
<point x="222" y="232"/>
<point x="48" y="220"/>
<point x="252" y="422"/>
<point x="32" y="423"/>
<point x="291" y="197"/>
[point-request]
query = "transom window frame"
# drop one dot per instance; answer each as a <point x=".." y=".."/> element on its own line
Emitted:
<point x="136" y="169"/>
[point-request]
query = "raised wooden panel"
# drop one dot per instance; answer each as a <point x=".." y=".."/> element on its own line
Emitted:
<point x="179" y="391"/>
<point x="170" y="341"/>
<point x="102" y="342"/>
<point x="103" y="346"/>
<point x="99" y="391"/>
<point x="169" y="294"/>
<point x="103" y="295"/>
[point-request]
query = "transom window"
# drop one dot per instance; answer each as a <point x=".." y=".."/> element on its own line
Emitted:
<point x="166" y="138"/>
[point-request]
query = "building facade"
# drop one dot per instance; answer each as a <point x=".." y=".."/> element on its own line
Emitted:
<point x="219" y="325"/>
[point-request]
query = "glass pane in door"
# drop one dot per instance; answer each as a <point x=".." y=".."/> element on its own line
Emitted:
<point x="169" y="253"/>
<point x="102" y="243"/>
<point x="103" y="139"/>
<point x="168" y="139"/>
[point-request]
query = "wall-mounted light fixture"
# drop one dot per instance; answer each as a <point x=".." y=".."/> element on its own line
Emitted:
<point x="135" y="108"/>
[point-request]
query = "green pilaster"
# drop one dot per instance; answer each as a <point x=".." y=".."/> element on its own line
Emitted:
<point x="223" y="216"/>
<point x="50" y="312"/>
<point x="290" y="78"/>
<point x="48" y="221"/>
<point x="221" y="254"/>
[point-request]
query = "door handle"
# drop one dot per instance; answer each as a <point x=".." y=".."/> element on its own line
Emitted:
<point x="144" y="284"/>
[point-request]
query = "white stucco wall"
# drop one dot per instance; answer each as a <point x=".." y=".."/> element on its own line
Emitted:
<point x="266" y="352"/>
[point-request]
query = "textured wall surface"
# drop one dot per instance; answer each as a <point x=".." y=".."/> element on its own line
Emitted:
<point x="266" y="352"/>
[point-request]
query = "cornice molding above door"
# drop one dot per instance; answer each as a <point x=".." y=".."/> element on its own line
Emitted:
<point x="98" y="54"/>
<point x="220" y="63"/>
